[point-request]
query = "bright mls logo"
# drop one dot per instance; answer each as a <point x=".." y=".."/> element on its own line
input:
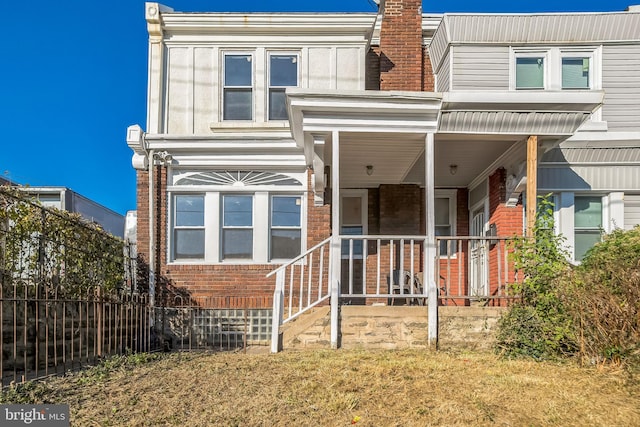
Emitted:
<point x="34" y="415"/>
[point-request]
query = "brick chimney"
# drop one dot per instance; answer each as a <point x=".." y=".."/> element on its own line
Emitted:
<point x="401" y="52"/>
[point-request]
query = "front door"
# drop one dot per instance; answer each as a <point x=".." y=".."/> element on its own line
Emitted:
<point x="353" y="221"/>
<point x="478" y="256"/>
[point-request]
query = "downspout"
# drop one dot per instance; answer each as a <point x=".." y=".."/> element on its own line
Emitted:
<point x="152" y="254"/>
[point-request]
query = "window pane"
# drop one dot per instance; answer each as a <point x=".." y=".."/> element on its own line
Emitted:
<point x="584" y="240"/>
<point x="237" y="243"/>
<point x="442" y="211"/>
<point x="237" y="70"/>
<point x="530" y="73"/>
<point x="284" y="70"/>
<point x="237" y="104"/>
<point x="575" y="73"/>
<point x="285" y="244"/>
<point x="285" y="211"/>
<point x="277" y="105"/>
<point x="189" y="243"/>
<point x="189" y="211"/>
<point x="238" y="211"/>
<point x="588" y="212"/>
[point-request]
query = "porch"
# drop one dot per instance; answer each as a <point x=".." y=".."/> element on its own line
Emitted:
<point x="470" y="154"/>
<point x="377" y="270"/>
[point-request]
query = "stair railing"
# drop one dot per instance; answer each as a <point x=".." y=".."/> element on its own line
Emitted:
<point x="301" y="284"/>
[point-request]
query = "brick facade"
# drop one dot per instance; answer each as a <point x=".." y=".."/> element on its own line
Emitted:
<point x="220" y="285"/>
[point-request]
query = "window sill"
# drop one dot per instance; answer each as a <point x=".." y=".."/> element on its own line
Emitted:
<point x="239" y="126"/>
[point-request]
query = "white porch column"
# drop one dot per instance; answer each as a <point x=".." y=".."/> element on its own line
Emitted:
<point x="430" y="247"/>
<point x="335" y="233"/>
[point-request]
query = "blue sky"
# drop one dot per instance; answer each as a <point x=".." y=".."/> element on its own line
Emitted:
<point x="73" y="77"/>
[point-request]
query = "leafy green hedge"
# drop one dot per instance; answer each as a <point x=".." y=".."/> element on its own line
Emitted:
<point x="591" y="311"/>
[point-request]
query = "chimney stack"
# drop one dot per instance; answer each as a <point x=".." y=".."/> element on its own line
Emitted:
<point x="401" y="52"/>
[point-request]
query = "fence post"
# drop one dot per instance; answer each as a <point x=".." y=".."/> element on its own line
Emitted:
<point x="278" y="312"/>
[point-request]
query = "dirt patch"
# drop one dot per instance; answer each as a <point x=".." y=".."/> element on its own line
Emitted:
<point x="334" y="388"/>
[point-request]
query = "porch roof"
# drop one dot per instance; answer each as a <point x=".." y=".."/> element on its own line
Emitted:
<point x="387" y="129"/>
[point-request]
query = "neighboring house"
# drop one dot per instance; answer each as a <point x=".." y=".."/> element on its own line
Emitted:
<point x="267" y="133"/>
<point x="65" y="199"/>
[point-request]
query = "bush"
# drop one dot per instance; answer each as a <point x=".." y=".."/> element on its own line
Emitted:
<point x="603" y="297"/>
<point x="537" y="325"/>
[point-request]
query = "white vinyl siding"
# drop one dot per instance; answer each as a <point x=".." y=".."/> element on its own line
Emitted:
<point x="621" y="83"/>
<point x="480" y="68"/>
<point x="631" y="210"/>
<point x="443" y="77"/>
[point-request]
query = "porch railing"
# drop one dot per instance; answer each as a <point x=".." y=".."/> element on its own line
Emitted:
<point x="389" y="270"/>
<point x="301" y="284"/>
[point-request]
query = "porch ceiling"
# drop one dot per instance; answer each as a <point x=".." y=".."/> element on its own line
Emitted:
<point x="387" y="130"/>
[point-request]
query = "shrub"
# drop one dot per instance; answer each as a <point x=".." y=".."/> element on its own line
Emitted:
<point x="538" y="325"/>
<point x="603" y="297"/>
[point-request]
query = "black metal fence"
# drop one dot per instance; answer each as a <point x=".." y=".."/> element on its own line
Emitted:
<point x="68" y="292"/>
<point x="71" y="294"/>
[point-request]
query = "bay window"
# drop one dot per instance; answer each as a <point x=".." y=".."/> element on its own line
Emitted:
<point x="232" y="216"/>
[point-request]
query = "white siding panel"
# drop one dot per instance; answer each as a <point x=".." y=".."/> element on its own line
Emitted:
<point x="480" y="68"/>
<point x="596" y="178"/>
<point x="443" y="77"/>
<point x="631" y="210"/>
<point x="179" y="91"/>
<point x="205" y="77"/>
<point x="439" y="45"/>
<point x="621" y="83"/>
<point x="320" y="60"/>
<point x="348" y="69"/>
<point x="544" y="28"/>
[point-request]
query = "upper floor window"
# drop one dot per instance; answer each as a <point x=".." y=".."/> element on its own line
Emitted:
<point x="238" y="87"/>
<point x="576" y="72"/>
<point x="283" y="73"/>
<point x="555" y="68"/>
<point x="530" y="72"/>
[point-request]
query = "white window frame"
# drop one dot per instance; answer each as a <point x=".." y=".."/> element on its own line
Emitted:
<point x="272" y="227"/>
<point x="529" y="53"/>
<point x="224" y="86"/>
<point x="564" y="215"/>
<point x="213" y="223"/>
<point x="224" y="228"/>
<point x="268" y="80"/>
<point x="174" y="226"/>
<point x="553" y="64"/>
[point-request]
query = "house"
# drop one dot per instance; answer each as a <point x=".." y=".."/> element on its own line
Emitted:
<point x="354" y="156"/>
<point x="65" y="199"/>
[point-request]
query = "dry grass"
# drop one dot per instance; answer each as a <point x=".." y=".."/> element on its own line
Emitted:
<point x="332" y="388"/>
